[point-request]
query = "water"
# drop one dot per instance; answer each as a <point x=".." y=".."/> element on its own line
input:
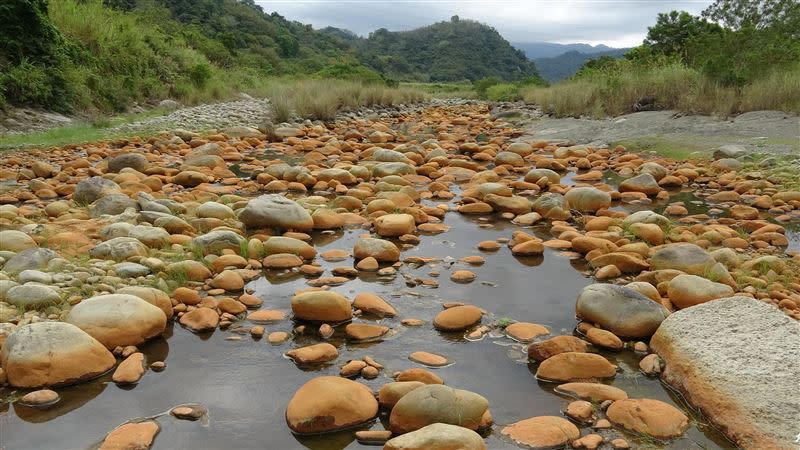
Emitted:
<point x="247" y="383"/>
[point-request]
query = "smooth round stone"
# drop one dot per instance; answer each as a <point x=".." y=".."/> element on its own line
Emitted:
<point x="322" y="306"/>
<point x="542" y="432"/>
<point x="328" y="403"/>
<point x="651" y="417"/>
<point x="571" y="366"/>
<point x="363" y="331"/>
<point x="436" y="403"/>
<point x="40" y="398"/>
<point x="32" y="295"/>
<point x="189" y="412"/>
<point x="133" y="435"/>
<point x="595" y="392"/>
<point x="118" y="319"/>
<point x="429" y="359"/>
<point x="457" y="318"/>
<point x="438" y="436"/>
<point x="525" y="332"/>
<point x="620" y="310"/>
<point x="390" y="393"/>
<point x="313" y="354"/>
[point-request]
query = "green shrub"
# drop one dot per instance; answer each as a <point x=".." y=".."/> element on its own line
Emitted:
<point x="351" y="72"/>
<point x="200" y="73"/>
<point x="483" y="84"/>
<point x="506" y="92"/>
<point x="27" y="84"/>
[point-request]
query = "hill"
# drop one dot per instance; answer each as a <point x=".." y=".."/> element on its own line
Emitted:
<point x="445" y="51"/>
<point x="535" y="50"/>
<point x="565" y="65"/>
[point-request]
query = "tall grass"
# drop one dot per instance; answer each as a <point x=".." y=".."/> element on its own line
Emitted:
<point x="322" y="99"/>
<point x="674" y="86"/>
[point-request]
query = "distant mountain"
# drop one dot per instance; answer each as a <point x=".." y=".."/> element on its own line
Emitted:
<point x="567" y="64"/>
<point x="455" y="50"/>
<point x="535" y="50"/>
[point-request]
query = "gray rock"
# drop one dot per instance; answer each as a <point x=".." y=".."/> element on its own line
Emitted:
<point x="118" y="319"/>
<point x="5" y="285"/>
<point x="437" y="403"/>
<point x="217" y="240"/>
<point x="730" y="151"/>
<point x="33" y="258"/>
<point x="644" y="183"/>
<point x="130" y="270"/>
<point x="90" y="190"/>
<point x="118" y="249"/>
<point x="135" y="161"/>
<point x="117" y="229"/>
<point x="392" y="168"/>
<point x="36" y="276"/>
<point x="620" y="310"/>
<point x="685" y="257"/>
<point x="32" y="295"/>
<point x="438" y="436"/>
<point x="153" y="237"/>
<point x="736" y="359"/>
<point x="645" y="216"/>
<point x="15" y="241"/>
<point x="112" y="204"/>
<point x="275" y="211"/>
<point x="587" y="199"/>
<point x="215" y="210"/>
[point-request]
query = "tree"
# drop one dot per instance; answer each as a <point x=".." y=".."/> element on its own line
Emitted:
<point x="673" y="31"/>
<point x="737" y="14"/>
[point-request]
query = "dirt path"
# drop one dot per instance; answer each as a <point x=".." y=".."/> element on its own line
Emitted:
<point x="770" y="131"/>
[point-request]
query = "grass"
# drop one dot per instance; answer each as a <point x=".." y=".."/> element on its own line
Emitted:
<point x="444" y="90"/>
<point x="682" y="150"/>
<point x="674" y="86"/>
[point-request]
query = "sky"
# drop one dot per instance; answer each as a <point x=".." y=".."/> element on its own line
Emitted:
<point x="616" y="23"/>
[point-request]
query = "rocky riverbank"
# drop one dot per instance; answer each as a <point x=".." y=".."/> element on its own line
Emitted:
<point x="422" y="266"/>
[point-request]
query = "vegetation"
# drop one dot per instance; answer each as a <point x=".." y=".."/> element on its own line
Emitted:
<point x="494" y="89"/>
<point x="557" y="68"/>
<point x="744" y="59"/>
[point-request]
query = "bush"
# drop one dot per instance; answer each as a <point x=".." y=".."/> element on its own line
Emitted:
<point x="506" y="92"/>
<point x="483" y="84"/>
<point x="200" y="73"/>
<point x="351" y="72"/>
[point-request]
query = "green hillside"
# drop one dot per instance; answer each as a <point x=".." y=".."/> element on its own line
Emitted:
<point x="567" y="64"/>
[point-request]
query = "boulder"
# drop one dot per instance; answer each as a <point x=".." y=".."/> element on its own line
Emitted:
<point x="155" y="297"/>
<point x="118" y="249"/>
<point x="372" y="304"/>
<point x="276" y="211"/>
<point x="217" y="240"/>
<point x="571" y="366"/>
<point x="682" y="256"/>
<point x="542" y="432"/>
<point x="587" y="199"/>
<point x="593" y="392"/>
<point x="539" y="351"/>
<point x="734" y="360"/>
<point x="651" y="417"/>
<point x="91" y="189"/>
<point x="52" y="354"/>
<point x="380" y="249"/>
<point x="32" y="258"/>
<point x="322" y="306"/>
<point x="135" y="161"/>
<point x="620" y="310"/>
<point x="457" y="318"/>
<point x="644" y="183"/>
<point x="118" y="319"/>
<point x="15" y="241"/>
<point x="438" y="436"/>
<point x="112" y="204"/>
<point x="390" y="393"/>
<point x="329" y="403"/>
<point x="437" y="403"/>
<point x="131" y="436"/>
<point x="689" y="290"/>
<point x="200" y="319"/>
<point x="391" y="225"/>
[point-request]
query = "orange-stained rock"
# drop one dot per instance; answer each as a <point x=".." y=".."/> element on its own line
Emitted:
<point x="572" y="366"/>
<point x="328" y="403"/>
<point x="651" y="417"/>
<point x="542" y="432"/>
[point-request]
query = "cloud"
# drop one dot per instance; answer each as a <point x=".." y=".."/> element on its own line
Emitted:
<point x="616" y="22"/>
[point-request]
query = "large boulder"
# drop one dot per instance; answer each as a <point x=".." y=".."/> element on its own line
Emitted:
<point x="135" y="161"/>
<point x="682" y="256"/>
<point x="32" y="295"/>
<point x="644" y="183"/>
<point x="118" y="319"/>
<point x="620" y="310"/>
<point x="380" y="249"/>
<point x="689" y="290"/>
<point x="218" y="240"/>
<point x="52" y="354"/>
<point x="587" y="199"/>
<point x="112" y="204"/>
<point x="276" y="211"/>
<point x="651" y="417"/>
<point x="438" y="436"/>
<point x="322" y="306"/>
<point x="92" y="189"/>
<point x="329" y="403"/>
<point x="118" y="249"/>
<point x="542" y="432"/>
<point x="437" y="403"/>
<point x="32" y="258"/>
<point x="155" y="297"/>
<point x="15" y="241"/>
<point x="391" y="225"/>
<point x="735" y="359"/>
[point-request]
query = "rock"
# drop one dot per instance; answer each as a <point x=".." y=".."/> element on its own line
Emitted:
<point x="380" y="249"/>
<point x="200" y="319"/>
<point x="69" y="355"/>
<point x="730" y="358"/>
<point x="651" y="417"/>
<point x="364" y="331"/>
<point x="438" y="436"/>
<point x="373" y="437"/>
<point x="620" y="310"/>
<point x="644" y="183"/>
<point x="689" y="290"/>
<point x="428" y="359"/>
<point x="514" y="204"/>
<point x="372" y="304"/>
<point x="214" y="210"/>
<point x="135" y="161"/>
<point x="130" y="370"/>
<point x="112" y="204"/>
<point x="572" y="366"/>
<point x="218" y="240"/>
<point x="189" y="411"/>
<point x="153" y="237"/>
<point x="132" y="436"/>
<point x="192" y="270"/>
<point x="391" y="225"/>
<point x="604" y="339"/>
<point x="91" y="189"/>
<point x="40" y="398"/>
<point x="229" y="280"/>
<point x="193" y="178"/>
<point x="587" y="199"/>
<point x="283" y="244"/>
<point x="276" y="211"/>
<point x="130" y="270"/>
<point x="682" y="256"/>
<point x="390" y="393"/>
<point x="534" y="175"/>
<point x="32" y="258"/>
<point x="580" y="411"/>
<point x="653" y="168"/>
<point x="417" y="374"/>
<point x="118" y="319"/>
<point x="153" y="296"/>
<point x="321" y="306"/>
<point x="539" y="351"/>
<point x="15" y="241"/>
<point x="118" y="249"/>
<point x="457" y="318"/>
<point x="552" y="206"/>
<point x="594" y="392"/>
<point x="730" y="151"/>
<point x="542" y="432"/>
<point x="525" y="332"/>
<point x="329" y="403"/>
<point x="32" y="295"/>
<point x="436" y="403"/>
<point x="645" y="216"/>
<point x="313" y="354"/>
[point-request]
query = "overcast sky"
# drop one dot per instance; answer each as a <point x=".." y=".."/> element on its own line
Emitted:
<point x="620" y="23"/>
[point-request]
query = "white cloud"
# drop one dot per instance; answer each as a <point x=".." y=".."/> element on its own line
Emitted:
<point x="619" y="23"/>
